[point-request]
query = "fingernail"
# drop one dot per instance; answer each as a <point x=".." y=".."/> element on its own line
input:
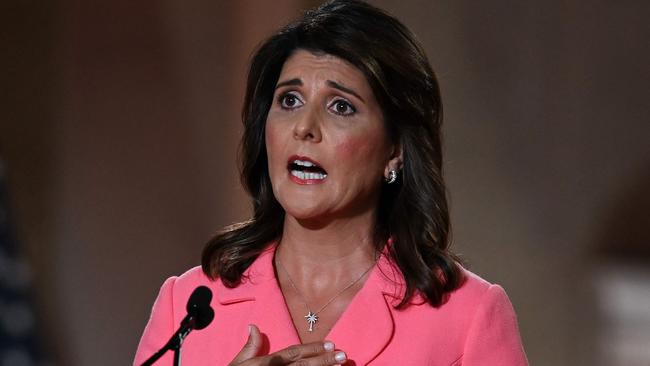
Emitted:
<point x="329" y="346"/>
<point x="340" y="356"/>
<point x="250" y="329"/>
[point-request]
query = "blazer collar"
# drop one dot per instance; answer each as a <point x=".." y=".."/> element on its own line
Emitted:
<point x="368" y="318"/>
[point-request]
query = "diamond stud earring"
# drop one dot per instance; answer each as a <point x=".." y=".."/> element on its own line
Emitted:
<point x="392" y="177"/>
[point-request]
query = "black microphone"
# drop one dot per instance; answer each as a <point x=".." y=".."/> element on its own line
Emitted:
<point x="199" y="315"/>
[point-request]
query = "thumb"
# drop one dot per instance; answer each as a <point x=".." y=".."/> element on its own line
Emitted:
<point x="252" y="346"/>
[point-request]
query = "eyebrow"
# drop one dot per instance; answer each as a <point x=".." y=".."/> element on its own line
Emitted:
<point x="342" y="88"/>
<point x="291" y="82"/>
<point x="330" y="83"/>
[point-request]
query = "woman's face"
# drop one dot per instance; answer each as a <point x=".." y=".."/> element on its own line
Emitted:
<point x="327" y="147"/>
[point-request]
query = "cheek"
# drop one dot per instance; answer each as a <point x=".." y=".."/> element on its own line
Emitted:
<point x="359" y="152"/>
<point x="272" y="141"/>
<point x="274" y="144"/>
<point x="350" y="147"/>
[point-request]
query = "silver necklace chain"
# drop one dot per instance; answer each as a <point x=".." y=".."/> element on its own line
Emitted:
<point x="312" y="317"/>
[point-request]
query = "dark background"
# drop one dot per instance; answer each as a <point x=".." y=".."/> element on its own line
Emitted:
<point x="119" y="125"/>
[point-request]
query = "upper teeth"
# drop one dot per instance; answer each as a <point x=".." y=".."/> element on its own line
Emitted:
<point x="312" y="176"/>
<point x="304" y="163"/>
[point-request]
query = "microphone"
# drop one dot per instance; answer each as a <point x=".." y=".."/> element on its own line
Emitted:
<point x="199" y="315"/>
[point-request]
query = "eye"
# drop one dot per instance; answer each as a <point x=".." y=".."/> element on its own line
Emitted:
<point x="342" y="107"/>
<point x="289" y="101"/>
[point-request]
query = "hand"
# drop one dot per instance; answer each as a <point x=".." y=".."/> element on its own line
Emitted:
<point x="310" y="354"/>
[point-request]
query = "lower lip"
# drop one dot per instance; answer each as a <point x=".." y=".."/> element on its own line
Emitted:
<point x="305" y="181"/>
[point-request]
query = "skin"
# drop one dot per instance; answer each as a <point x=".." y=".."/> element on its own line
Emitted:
<point x="323" y="109"/>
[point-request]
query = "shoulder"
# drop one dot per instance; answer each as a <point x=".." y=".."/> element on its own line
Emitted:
<point x="490" y="330"/>
<point x="473" y="287"/>
<point x="475" y="325"/>
<point x="181" y="287"/>
<point x="473" y="282"/>
<point x="474" y="293"/>
<point x="169" y="306"/>
<point x="476" y="300"/>
<point x="192" y="278"/>
<point x="461" y="304"/>
<point x="479" y="324"/>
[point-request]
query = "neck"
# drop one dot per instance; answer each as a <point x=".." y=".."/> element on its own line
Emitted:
<point x="320" y="256"/>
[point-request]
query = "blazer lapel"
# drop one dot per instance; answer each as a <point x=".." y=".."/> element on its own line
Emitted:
<point x="366" y="327"/>
<point x="268" y="309"/>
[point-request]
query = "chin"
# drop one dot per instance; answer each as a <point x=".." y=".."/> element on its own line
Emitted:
<point x="304" y="213"/>
<point x="300" y="204"/>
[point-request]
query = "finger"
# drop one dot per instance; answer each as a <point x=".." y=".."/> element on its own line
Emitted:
<point x="252" y="346"/>
<point x="301" y="351"/>
<point x="323" y="359"/>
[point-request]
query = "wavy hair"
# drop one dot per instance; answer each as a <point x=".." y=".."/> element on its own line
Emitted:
<point x="413" y="211"/>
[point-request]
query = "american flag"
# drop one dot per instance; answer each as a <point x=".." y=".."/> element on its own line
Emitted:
<point x="20" y="344"/>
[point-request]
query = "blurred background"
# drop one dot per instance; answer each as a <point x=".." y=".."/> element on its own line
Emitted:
<point x="119" y="126"/>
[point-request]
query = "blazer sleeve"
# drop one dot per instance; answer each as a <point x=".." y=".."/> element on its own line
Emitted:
<point x="493" y="338"/>
<point x="159" y="327"/>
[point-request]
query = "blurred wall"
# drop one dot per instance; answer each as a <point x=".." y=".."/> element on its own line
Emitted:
<point x="121" y="128"/>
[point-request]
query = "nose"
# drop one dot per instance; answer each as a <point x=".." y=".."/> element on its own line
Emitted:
<point x="308" y="126"/>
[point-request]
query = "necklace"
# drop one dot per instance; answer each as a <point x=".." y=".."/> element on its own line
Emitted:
<point x="312" y="317"/>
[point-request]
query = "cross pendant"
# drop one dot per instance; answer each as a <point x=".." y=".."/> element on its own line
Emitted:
<point x="311" y="319"/>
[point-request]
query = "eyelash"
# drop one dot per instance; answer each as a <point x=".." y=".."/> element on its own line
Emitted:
<point x="351" y="109"/>
<point x="282" y="97"/>
<point x="349" y="106"/>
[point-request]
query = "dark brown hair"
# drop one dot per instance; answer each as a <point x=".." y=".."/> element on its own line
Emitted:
<point x="412" y="211"/>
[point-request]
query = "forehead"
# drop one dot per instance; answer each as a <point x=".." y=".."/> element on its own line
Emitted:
<point x="315" y="67"/>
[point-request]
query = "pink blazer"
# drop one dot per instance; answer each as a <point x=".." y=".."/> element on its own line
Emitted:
<point x="477" y="326"/>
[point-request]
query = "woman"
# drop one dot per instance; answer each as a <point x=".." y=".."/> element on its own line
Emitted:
<point x="345" y="259"/>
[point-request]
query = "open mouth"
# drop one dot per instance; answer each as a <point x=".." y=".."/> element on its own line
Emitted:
<point x="306" y="169"/>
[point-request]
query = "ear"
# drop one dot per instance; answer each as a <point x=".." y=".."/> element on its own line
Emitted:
<point x="396" y="161"/>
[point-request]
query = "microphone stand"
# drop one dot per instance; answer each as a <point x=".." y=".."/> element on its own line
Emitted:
<point x="199" y="315"/>
<point x="174" y="343"/>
